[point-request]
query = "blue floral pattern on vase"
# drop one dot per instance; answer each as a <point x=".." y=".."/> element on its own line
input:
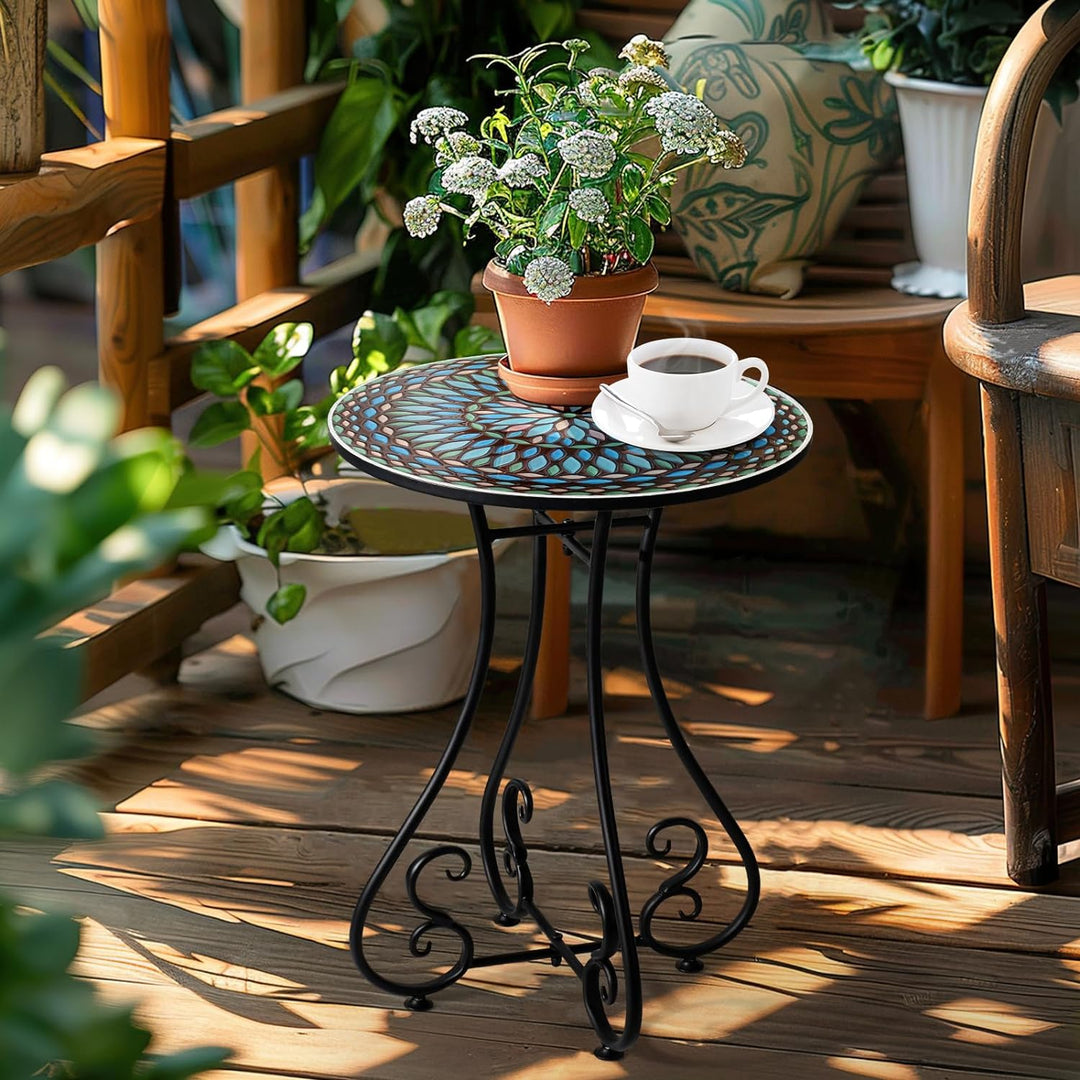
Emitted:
<point x="454" y="425"/>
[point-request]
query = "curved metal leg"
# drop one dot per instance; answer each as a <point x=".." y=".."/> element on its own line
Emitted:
<point x="434" y="918"/>
<point x="599" y="984"/>
<point x="677" y="886"/>
<point x="510" y="910"/>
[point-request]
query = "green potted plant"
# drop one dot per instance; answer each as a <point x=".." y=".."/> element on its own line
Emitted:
<point x="940" y="56"/>
<point x="82" y="509"/>
<point x="570" y="180"/>
<point x="365" y="596"/>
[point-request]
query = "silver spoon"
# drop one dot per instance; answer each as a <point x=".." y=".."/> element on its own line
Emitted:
<point x="674" y="435"/>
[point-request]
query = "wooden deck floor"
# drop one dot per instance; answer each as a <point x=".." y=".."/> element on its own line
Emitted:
<point x="888" y="944"/>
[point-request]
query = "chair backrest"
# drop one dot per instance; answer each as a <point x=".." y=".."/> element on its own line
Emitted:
<point x="1003" y="150"/>
<point x="873" y="236"/>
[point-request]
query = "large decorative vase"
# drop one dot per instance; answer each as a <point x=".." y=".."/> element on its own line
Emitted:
<point x="376" y="633"/>
<point x="559" y="353"/>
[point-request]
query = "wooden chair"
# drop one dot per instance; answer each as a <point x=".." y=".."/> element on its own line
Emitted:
<point x="1023" y="345"/>
<point x="122" y="194"/>
<point x="849" y="335"/>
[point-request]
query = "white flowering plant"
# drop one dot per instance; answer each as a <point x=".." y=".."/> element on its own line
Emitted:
<point x="572" y="176"/>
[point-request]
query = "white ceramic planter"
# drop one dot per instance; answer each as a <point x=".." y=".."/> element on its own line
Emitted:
<point x="376" y="633"/>
<point x="940" y="125"/>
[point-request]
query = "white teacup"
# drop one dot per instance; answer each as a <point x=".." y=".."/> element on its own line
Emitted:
<point x="690" y="383"/>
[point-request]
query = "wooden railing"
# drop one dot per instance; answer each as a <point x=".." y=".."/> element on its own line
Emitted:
<point x="122" y="194"/>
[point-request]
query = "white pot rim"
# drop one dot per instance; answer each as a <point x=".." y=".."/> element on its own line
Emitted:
<point x="899" y="80"/>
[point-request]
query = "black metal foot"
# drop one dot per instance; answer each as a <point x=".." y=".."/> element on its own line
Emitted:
<point x="690" y="965"/>
<point x="605" y="1053"/>
<point x="502" y="919"/>
<point x="419" y="1003"/>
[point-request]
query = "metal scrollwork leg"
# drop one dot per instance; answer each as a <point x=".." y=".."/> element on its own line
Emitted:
<point x="599" y="985"/>
<point x="689" y="956"/>
<point x="510" y="911"/>
<point x="418" y="993"/>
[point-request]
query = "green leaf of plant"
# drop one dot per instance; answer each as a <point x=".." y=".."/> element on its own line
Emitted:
<point x="551" y="219"/>
<point x="639" y="240"/>
<point x="478" y="341"/>
<point x="658" y="207"/>
<point x="186" y="1063"/>
<point x="219" y="422"/>
<point x="366" y="114"/>
<point x="304" y="523"/>
<point x="378" y="343"/>
<point x="285" y="603"/>
<point x="223" y="368"/>
<point x="51" y="808"/>
<point x="577" y="230"/>
<point x="633" y="176"/>
<point x="283" y="348"/>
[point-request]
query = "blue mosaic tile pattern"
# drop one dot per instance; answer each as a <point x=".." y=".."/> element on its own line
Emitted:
<point x="453" y="424"/>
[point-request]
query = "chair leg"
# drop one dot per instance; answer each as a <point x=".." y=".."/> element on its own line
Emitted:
<point x="945" y="539"/>
<point x="551" y="685"/>
<point x="1026" y="719"/>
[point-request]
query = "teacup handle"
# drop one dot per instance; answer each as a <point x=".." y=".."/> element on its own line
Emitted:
<point x="763" y="377"/>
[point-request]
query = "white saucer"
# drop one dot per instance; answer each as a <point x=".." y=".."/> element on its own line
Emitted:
<point x="921" y="279"/>
<point x="740" y="425"/>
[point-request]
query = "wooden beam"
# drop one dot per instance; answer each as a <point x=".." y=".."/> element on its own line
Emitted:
<point x="224" y="146"/>
<point x="22" y="85"/>
<point x="331" y="297"/>
<point x="78" y="198"/>
<point x="131" y="263"/>
<point x="140" y="622"/>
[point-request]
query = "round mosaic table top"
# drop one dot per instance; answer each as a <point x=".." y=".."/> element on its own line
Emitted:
<point x="452" y="429"/>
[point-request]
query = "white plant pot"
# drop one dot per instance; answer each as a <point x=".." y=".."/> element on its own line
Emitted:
<point x="940" y="125"/>
<point x="376" y="633"/>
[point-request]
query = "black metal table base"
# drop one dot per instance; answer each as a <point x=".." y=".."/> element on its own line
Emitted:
<point x="510" y="878"/>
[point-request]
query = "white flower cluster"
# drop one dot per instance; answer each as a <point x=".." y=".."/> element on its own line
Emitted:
<point x="643" y="50"/>
<point x="422" y="215"/>
<point x="456" y="144"/>
<point x="727" y="149"/>
<point x="590" y="204"/>
<point x="548" y="278"/>
<point x="470" y="176"/>
<point x="523" y="171"/>
<point x="640" y="75"/>
<point x="590" y="152"/>
<point x="683" y="121"/>
<point x="439" y="120"/>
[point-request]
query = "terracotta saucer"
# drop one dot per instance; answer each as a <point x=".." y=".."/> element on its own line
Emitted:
<point x="554" y="389"/>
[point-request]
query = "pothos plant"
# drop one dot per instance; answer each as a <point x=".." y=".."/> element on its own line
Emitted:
<point x="292" y="434"/>
<point x="953" y="41"/>
<point x="571" y="179"/>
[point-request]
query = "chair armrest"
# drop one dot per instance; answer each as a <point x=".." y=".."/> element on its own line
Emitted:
<point x="1001" y="160"/>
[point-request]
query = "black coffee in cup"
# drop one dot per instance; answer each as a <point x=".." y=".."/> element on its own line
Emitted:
<point x="682" y="364"/>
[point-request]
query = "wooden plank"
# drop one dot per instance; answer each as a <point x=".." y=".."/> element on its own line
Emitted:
<point x="330" y="298"/>
<point x="78" y="198"/>
<point x="22" y="86"/>
<point x="146" y="619"/>
<point x="774" y="986"/>
<point x="223" y="146"/>
<point x="131" y="263"/>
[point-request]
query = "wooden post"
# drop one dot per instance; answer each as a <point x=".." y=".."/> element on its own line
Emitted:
<point x="1024" y="704"/>
<point x="551" y="685"/>
<point x="23" y="30"/>
<point x="945" y="538"/>
<point x="130" y="263"/>
<point x="272" y="47"/>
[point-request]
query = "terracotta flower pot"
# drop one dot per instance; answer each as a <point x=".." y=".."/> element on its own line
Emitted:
<point x="584" y="335"/>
